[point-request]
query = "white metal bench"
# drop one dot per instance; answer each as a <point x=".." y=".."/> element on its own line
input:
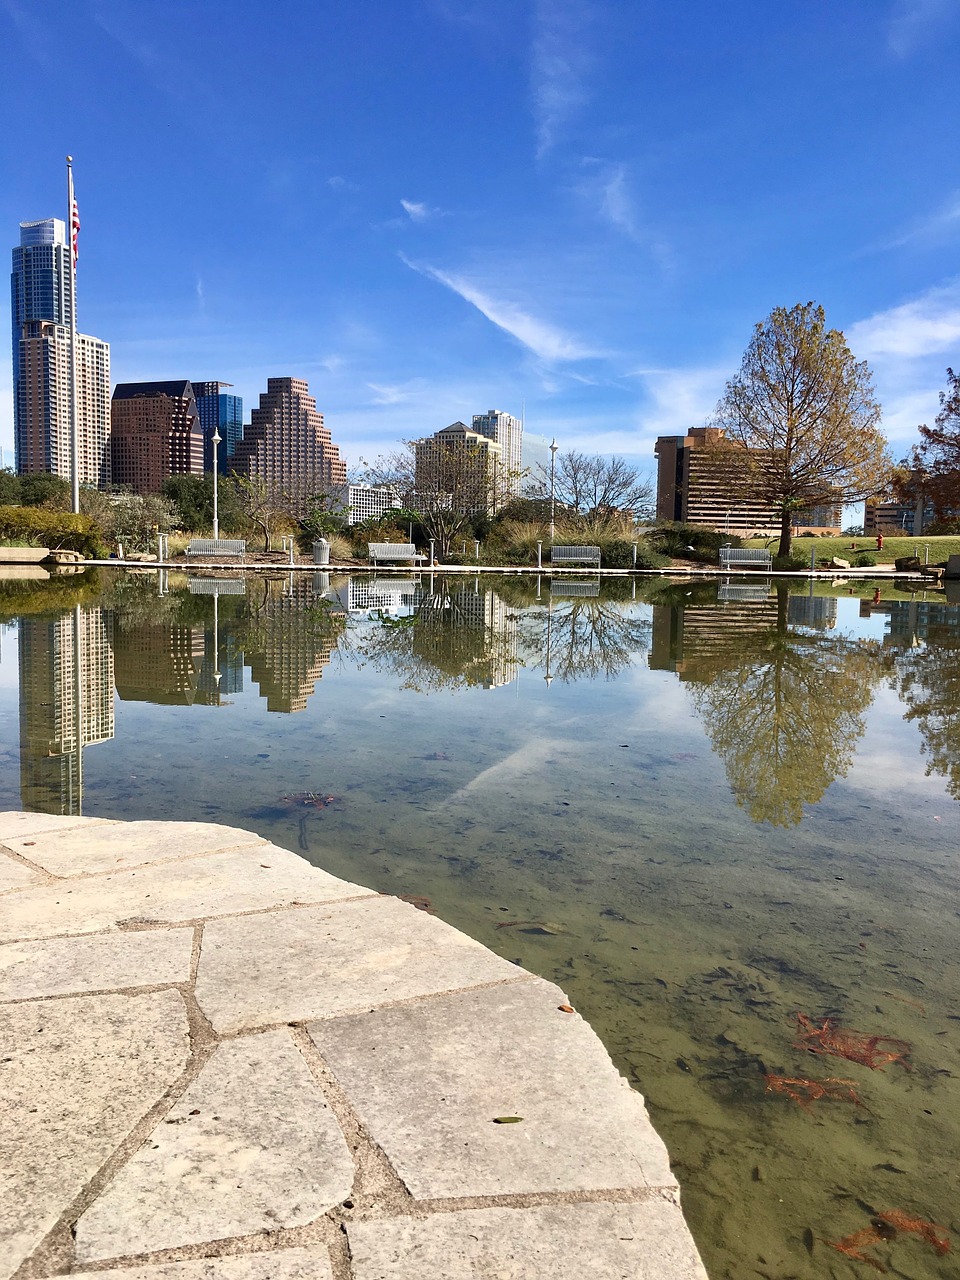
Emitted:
<point x="379" y="551"/>
<point x="210" y="548"/>
<point x="745" y="558"/>
<point x="575" y="555"/>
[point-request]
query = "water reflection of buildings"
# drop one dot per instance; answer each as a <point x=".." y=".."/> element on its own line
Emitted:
<point x="694" y="639"/>
<point x="381" y="595"/>
<point x="484" y="615"/>
<point x="66" y="704"/>
<point x="158" y="662"/>
<point x="284" y="649"/>
<point x="912" y="621"/>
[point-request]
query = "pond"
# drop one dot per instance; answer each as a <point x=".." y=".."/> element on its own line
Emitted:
<point x="723" y="818"/>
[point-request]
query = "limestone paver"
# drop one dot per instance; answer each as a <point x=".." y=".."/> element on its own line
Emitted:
<point x="14" y="875"/>
<point x="251" y="1145"/>
<point x="110" y="846"/>
<point x="220" y="884"/>
<point x="75" y="1078"/>
<point x="280" y="1264"/>
<point x="429" y="1079"/>
<point x="15" y="824"/>
<point x="64" y="966"/>
<point x="646" y="1241"/>
<point x="326" y="960"/>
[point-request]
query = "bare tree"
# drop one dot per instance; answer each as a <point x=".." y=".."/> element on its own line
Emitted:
<point x="450" y="485"/>
<point x="265" y="504"/>
<point x="592" y="484"/>
<point x="804" y="411"/>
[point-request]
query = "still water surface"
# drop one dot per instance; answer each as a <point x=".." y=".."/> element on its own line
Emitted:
<point x="699" y="816"/>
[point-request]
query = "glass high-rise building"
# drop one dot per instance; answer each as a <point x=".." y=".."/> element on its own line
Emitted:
<point x="221" y="412"/>
<point x="42" y="303"/>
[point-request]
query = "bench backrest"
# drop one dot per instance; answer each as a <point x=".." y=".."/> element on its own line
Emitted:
<point x="756" y="555"/>
<point x="399" y="550"/>
<point x="575" y="553"/>
<point x="203" y="546"/>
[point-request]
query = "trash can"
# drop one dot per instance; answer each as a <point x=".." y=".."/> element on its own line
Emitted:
<point x="321" y="551"/>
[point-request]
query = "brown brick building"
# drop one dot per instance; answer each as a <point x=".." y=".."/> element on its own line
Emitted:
<point x="287" y="446"/>
<point x="155" y="434"/>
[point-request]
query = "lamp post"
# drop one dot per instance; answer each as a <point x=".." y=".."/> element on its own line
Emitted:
<point x="215" y="440"/>
<point x="553" y="472"/>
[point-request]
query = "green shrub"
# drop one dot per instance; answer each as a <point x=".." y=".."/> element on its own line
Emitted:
<point x="790" y="564"/>
<point x="864" y="561"/>
<point x="57" y="530"/>
<point x="690" y="541"/>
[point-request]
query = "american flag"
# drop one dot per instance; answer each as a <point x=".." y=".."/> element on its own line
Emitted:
<point x="74" y="231"/>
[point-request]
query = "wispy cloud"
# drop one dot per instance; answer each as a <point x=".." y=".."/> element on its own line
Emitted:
<point x="417" y="211"/>
<point x="395" y="393"/>
<point x="559" y="66"/>
<point x="545" y="340"/>
<point x="913" y="23"/>
<point x="934" y="227"/>
<point x="336" y="182"/>
<point x="921" y="327"/>
<point x="677" y="399"/>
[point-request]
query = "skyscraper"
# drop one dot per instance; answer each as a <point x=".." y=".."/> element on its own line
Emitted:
<point x="42" y="314"/>
<point x="507" y="432"/>
<point x="155" y="433"/>
<point x="287" y="447"/>
<point x="66" y="704"/>
<point x="221" y="412"/>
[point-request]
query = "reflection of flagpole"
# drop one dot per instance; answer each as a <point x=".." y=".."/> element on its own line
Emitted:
<point x="78" y="703"/>
<point x="73" y="228"/>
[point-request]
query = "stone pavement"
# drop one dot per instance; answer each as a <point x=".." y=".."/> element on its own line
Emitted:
<point x="219" y="1062"/>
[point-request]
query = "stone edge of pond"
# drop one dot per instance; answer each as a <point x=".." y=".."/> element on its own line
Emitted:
<point x="226" y="1063"/>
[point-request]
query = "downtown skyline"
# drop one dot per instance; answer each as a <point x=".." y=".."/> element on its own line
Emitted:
<point x="574" y="210"/>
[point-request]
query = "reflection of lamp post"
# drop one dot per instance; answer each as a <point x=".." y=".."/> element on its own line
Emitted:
<point x="548" y="678"/>
<point x="553" y="472"/>
<point x="216" y="644"/>
<point x="215" y="441"/>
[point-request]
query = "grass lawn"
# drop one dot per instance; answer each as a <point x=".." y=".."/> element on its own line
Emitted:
<point x="848" y="548"/>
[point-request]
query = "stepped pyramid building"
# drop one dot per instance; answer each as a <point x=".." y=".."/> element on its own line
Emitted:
<point x="287" y="446"/>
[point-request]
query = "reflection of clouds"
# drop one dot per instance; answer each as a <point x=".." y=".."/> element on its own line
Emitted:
<point x="528" y="758"/>
<point x="886" y="764"/>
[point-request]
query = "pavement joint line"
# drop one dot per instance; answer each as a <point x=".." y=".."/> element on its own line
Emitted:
<point x="137" y="923"/>
<point x="147" y="989"/>
<point x="139" y="866"/>
<point x="375" y="1178"/>
<point x="195" y="952"/>
<point x="56" y="1253"/>
<point x="14" y="856"/>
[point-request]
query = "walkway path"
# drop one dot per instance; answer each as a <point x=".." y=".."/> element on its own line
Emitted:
<point x="219" y="1062"/>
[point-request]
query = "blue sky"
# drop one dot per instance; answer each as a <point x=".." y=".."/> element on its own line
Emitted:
<point x="429" y="208"/>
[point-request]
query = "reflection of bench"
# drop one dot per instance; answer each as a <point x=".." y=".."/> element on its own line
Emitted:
<point x="751" y="591"/>
<point x="213" y="547"/>
<point x="378" y="551"/>
<point x="575" y="555"/>
<point x="588" y="587"/>
<point x="745" y="558"/>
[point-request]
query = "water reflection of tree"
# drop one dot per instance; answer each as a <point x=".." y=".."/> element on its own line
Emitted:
<point x="927" y="679"/>
<point x="459" y="636"/>
<point x="581" y="639"/>
<point x="784" y="711"/>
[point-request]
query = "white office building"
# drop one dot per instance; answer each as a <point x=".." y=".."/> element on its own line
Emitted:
<point x="507" y="432"/>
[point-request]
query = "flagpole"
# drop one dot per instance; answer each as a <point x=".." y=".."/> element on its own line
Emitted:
<point x="74" y="425"/>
